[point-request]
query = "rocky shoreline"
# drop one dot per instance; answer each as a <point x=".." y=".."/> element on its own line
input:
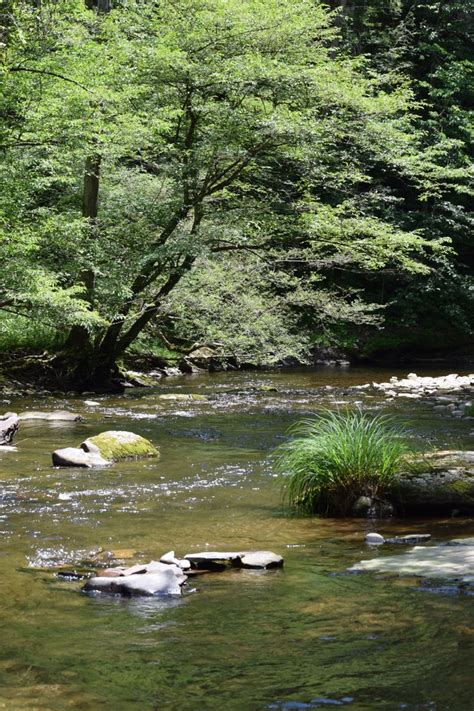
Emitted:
<point x="451" y="394"/>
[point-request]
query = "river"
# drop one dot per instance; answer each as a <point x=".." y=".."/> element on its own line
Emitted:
<point x="307" y="636"/>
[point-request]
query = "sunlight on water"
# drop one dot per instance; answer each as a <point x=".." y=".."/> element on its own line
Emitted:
<point x="308" y="636"/>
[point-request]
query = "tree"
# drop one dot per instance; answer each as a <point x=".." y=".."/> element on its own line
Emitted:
<point x="428" y="44"/>
<point x="221" y="128"/>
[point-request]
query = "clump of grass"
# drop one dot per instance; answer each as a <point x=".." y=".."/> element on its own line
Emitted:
<point x="338" y="457"/>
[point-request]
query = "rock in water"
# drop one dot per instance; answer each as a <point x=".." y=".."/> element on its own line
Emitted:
<point x="455" y="562"/>
<point x="59" y="416"/>
<point x="116" y="445"/>
<point x="218" y="556"/>
<point x="164" y="582"/>
<point x="214" y="560"/>
<point x="410" y="540"/>
<point x="182" y="396"/>
<point x="239" y="559"/>
<point x="374" y="539"/>
<point x="446" y="483"/>
<point x="368" y="507"/>
<point x="77" y="457"/>
<point x="9" y="424"/>
<point x="105" y="448"/>
<point x="170" y="559"/>
<point x="261" y="559"/>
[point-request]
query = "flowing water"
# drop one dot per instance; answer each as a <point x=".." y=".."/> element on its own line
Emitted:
<point x="307" y="636"/>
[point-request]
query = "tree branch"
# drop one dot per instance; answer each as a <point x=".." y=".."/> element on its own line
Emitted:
<point x="46" y="72"/>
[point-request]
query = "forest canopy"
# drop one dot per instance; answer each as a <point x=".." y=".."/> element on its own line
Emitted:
<point x="259" y="176"/>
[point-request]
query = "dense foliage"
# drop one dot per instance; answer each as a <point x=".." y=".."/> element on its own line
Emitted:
<point x="256" y="176"/>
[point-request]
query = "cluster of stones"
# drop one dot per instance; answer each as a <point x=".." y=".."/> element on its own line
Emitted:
<point x="450" y="394"/>
<point x="10" y="421"/>
<point x="168" y="575"/>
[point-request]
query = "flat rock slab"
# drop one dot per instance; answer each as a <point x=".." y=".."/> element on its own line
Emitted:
<point x="164" y="582"/>
<point x="261" y="559"/>
<point x="218" y="556"/>
<point x="76" y="457"/>
<point x="59" y="416"/>
<point x="239" y="559"/>
<point x="455" y="562"/>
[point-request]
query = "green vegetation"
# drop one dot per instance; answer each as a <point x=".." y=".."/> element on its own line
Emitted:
<point x="116" y="446"/>
<point x="338" y="457"/>
<point x="255" y="177"/>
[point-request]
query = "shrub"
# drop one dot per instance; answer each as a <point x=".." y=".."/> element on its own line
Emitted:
<point x="338" y="457"/>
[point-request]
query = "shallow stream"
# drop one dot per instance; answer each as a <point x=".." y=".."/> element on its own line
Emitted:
<point x="308" y="636"/>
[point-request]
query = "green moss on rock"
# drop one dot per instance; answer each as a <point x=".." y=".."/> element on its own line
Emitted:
<point x="116" y="445"/>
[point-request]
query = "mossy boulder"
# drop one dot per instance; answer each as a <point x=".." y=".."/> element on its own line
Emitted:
<point x="442" y="482"/>
<point x="115" y="445"/>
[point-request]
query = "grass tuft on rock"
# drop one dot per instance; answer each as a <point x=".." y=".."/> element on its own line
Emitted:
<point x="337" y="457"/>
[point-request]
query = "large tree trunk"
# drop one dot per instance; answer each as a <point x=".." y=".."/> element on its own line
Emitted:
<point x="79" y="339"/>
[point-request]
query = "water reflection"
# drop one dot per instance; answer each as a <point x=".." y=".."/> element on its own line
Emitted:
<point x="242" y="640"/>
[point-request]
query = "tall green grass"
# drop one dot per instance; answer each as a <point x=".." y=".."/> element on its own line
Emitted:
<point x="339" y="456"/>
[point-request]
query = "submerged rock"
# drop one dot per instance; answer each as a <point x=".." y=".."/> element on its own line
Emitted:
<point x="185" y="397"/>
<point x="409" y="540"/>
<point x="454" y="562"/>
<point x="57" y="416"/>
<point x="374" y="539"/>
<point x="9" y="424"/>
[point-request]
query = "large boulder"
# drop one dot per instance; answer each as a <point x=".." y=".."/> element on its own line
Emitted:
<point x="105" y="448"/>
<point x="447" y="484"/>
<point x="116" y="445"/>
<point x="9" y="424"/>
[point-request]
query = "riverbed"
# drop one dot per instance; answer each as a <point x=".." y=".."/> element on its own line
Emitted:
<point x="307" y="636"/>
